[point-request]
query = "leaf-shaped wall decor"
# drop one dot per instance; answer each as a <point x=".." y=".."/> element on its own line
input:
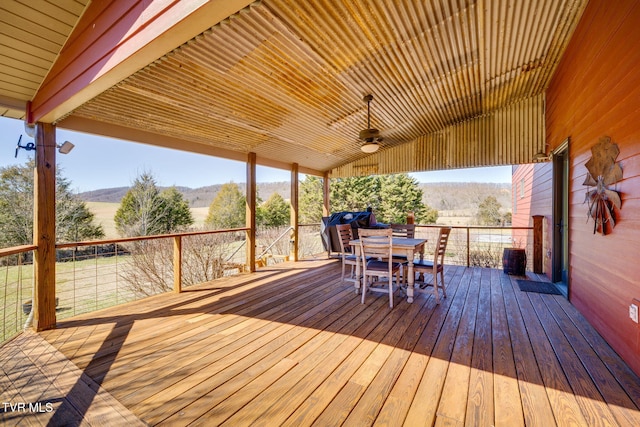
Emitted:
<point x="603" y="171"/>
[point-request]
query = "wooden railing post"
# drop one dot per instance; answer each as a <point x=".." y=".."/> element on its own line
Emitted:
<point x="177" y="264"/>
<point x="537" y="244"/>
<point x="468" y="247"/>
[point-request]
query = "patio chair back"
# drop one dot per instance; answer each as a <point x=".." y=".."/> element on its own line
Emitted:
<point x="376" y="248"/>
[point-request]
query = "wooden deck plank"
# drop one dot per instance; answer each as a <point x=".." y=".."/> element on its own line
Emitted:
<point x="12" y="368"/>
<point x="535" y="401"/>
<point x="280" y="409"/>
<point x="402" y="394"/>
<point x="335" y="393"/>
<point x="408" y="329"/>
<point x="453" y="403"/>
<point x="564" y="404"/>
<point x="382" y="322"/>
<point x="239" y="355"/>
<point x="236" y="390"/>
<point x="423" y="409"/>
<point x="293" y="346"/>
<point x="96" y="405"/>
<point x="145" y="320"/>
<point x="63" y="395"/>
<point x="587" y="394"/>
<point x="627" y="379"/>
<point x="620" y="404"/>
<point x="506" y="390"/>
<point x="211" y="335"/>
<point x="480" y="411"/>
<point x="320" y="399"/>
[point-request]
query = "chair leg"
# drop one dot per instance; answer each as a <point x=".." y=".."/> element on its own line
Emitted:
<point x="444" y="292"/>
<point x="342" y="276"/>
<point x="435" y="287"/>
<point x="364" y="288"/>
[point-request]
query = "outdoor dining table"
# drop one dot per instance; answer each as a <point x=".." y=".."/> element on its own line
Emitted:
<point x="401" y="247"/>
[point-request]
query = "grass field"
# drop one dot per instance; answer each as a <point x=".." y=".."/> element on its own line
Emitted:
<point x="105" y="212"/>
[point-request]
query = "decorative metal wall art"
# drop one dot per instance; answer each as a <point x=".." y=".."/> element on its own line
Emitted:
<point x="603" y="171"/>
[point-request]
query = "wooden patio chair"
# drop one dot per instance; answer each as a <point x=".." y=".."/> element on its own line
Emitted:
<point x="403" y="231"/>
<point x="436" y="266"/>
<point x="345" y="235"/>
<point x="377" y="250"/>
<point x="406" y="231"/>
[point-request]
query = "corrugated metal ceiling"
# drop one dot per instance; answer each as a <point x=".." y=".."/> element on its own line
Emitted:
<point x="285" y="79"/>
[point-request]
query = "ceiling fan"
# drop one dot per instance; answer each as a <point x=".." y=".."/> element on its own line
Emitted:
<point x="371" y="137"/>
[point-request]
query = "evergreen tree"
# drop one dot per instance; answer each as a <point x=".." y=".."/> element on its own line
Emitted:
<point x="391" y="197"/>
<point x="74" y="221"/>
<point x="399" y="195"/>
<point x="228" y="208"/>
<point x="275" y="211"/>
<point x="355" y="194"/>
<point x="144" y="211"/>
<point x="310" y="202"/>
<point x="179" y="215"/>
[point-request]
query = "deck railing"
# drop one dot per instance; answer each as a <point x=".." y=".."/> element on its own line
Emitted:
<point x="17" y="288"/>
<point x="98" y="274"/>
<point x="481" y="246"/>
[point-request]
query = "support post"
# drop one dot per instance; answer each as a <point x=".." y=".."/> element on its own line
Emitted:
<point x="177" y="264"/>
<point x="251" y="212"/>
<point x="326" y="203"/>
<point x="294" y="212"/>
<point x="537" y="243"/>
<point x="44" y="228"/>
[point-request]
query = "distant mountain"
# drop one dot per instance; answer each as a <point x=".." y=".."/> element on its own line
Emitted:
<point x="456" y="196"/>
<point x="107" y="195"/>
<point x="197" y="197"/>
<point x="443" y="196"/>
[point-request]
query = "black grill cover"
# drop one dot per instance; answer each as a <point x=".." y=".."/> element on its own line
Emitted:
<point x="328" y="229"/>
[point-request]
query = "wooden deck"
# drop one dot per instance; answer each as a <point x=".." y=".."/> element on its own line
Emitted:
<point x="291" y="345"/>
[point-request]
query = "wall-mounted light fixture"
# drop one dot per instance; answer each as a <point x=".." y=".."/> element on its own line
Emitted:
<point x="65" y="148"/>
<point x="541" y="157"/>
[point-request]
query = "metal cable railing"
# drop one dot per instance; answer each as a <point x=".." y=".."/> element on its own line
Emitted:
<point x="480" y="246"/>
<point x="17" y="289"/>
<point x="94" y="275"/>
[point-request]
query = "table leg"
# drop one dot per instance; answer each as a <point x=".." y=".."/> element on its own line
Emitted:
<point x="356" y="282"/>
<point x="421" y="275"/>
<point x="411" y="281"/>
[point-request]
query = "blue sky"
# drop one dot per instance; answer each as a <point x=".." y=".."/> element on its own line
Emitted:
<point x="98" y="162"/>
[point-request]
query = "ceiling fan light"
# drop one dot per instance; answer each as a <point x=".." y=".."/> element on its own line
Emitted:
<point x="369" y="147"/>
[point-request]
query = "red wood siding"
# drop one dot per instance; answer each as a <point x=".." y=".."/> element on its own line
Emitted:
<point x="536" y="199"/>
<point x="596" y="92"/>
